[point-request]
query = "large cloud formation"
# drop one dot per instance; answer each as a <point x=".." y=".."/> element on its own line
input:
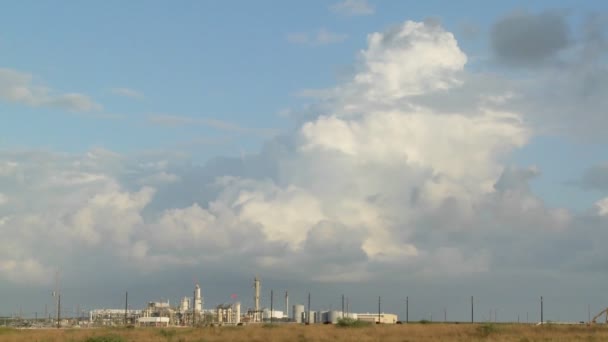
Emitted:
<point x="377" y="183"/>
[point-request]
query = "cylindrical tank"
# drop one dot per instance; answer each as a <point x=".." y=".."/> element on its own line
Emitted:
<point x="220" y="314"/>
<point x="185" y="304"/>
<point x="333" y="317"/>
<point x="237" y="312"/>
<point x="310" y="317"/>
<point x="319" y="317"/>
<point x="323" y="316"/>
<point x="298" y="313"/>
<point x="198" y="300"/>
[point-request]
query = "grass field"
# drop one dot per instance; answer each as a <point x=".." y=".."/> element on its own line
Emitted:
<point x="299" y="333"/>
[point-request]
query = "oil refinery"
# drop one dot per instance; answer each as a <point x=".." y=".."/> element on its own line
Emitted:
<point x="190" y="311"/>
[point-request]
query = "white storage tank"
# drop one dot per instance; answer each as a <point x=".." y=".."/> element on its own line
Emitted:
<point x="334" y="316"/>
<point x="276" y="314"/>
<point x="237" y="312"/>
<point x="185" y="304"/>
<point x="311" y="315"/>
<point x="298" y="313"/>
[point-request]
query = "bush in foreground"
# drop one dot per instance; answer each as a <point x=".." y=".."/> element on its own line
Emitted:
<point x="350" y="322"/>
<point x="105" y="338"/>
<point x="487" y="329"/>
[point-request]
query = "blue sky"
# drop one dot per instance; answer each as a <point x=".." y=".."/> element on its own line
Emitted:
<point x="168" y="114"/>
<point x="228" y="61"/>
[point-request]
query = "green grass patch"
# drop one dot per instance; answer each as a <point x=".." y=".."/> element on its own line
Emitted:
<point x="351" y="323"/>
<point x="6" y="330"/>
<point x="487" y="329"/>
<point x="106" y="338"/>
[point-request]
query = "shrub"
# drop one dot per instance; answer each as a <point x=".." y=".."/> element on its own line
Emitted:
<point x="105" y="338"/>
<point x="5" y="330"/>
<point x="486" y="329"/>
<point x="168" y="334"/>
<point x="350" y="322"/>
<point x="424" y="321"/>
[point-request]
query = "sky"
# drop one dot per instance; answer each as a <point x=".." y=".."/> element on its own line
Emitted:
<point x="435" y="150"/>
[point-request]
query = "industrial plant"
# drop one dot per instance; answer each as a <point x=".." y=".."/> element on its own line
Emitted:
<point x="190" y="311"/>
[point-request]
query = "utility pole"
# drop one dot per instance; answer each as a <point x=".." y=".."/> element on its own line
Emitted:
<point x="472" y="312"/>
<point x="445" y="315"/>
<point x="193" y="308"/>
<point x="342" y="306"/>
<point x="379" y="308"/>
<point x="59" y="311"/>
<point x="126" y="305"/>
<point x="347" y="306"/>
<point x="271" y="305"/>
<point x="541" y="310"/>
<point x="588" y="313"/>
<point x="308" y="313"/>
<point x="407" y="309"/>
<point x="57" y="294"/>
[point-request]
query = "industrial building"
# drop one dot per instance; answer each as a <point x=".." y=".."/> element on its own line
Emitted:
<point x="228" y="313"/>
<point x="153" y="321"/>
<point x="276" y="315"/>
<point x="113" y="317"/>
<point x="333" y="316"/>
<point x="383" y="318"/>
<point x="189" y="311"/>
<point x="155" y="313"/>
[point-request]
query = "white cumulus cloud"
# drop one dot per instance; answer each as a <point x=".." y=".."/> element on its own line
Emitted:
<point x="377" y="184"/>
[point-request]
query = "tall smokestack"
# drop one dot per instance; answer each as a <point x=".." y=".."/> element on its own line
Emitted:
<point x="198" y="300"/>
<point x="256" y="297"/>
<point x="287" y="304"/>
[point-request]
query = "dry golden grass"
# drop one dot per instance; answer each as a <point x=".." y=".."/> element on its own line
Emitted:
<point x="318" y="333"/>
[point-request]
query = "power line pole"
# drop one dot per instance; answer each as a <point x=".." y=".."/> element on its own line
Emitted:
<point x="58" y="311"/>
<point x="407" y="309"/>
<point x="541" y="310"/>
<point x="271" y="305"/>
<point x="379" y="308"/>
<point x="194" y="308"/>
<point x="472" y="312"/>
<point x="308" y="313"/>
<point x="126" y="305"/>
<point x="57" y="294"/>
<point x="342" y="306"/>
<point x="347" y="307"/>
